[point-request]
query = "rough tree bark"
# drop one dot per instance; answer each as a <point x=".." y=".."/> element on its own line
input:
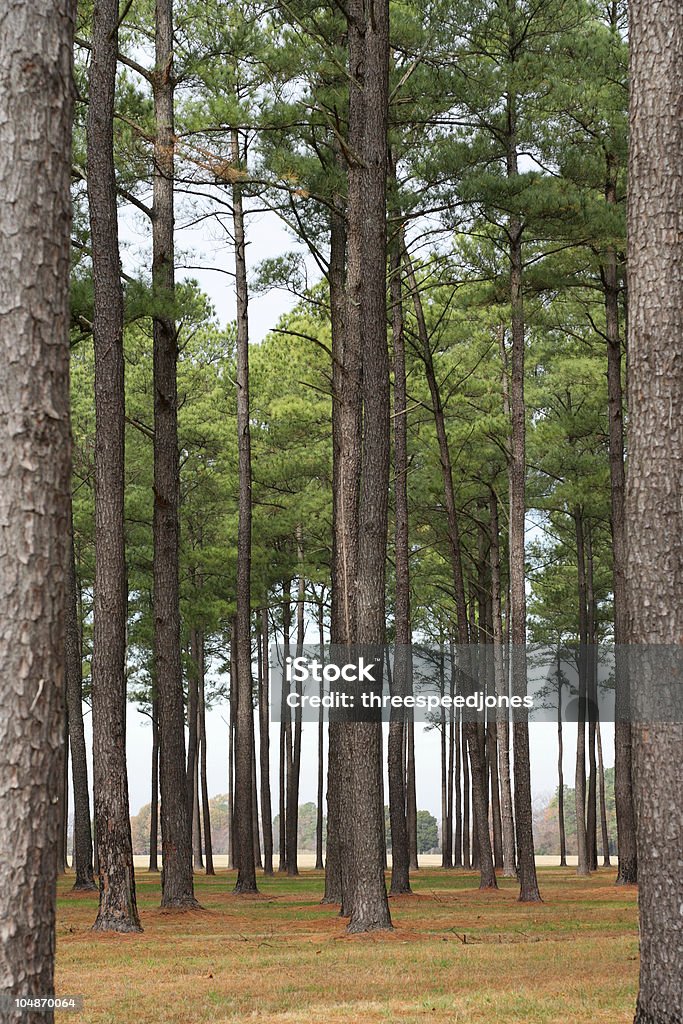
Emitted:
<point x="654" y="500"/>
<point x="177" y="885"/>
<point x="35" y="160"/>
<point x="117" y="907"/>
<point x="244" y="738"/>
<point x="368" y="41"/>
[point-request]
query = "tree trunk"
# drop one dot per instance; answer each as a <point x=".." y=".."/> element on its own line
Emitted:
<point x="154" y="806"/>
<point x="411" y="794"/>
<point x="346" y="414"/>
<point x="560" y="766"/>
<point x="457" y="840"/>
<point x="244" y="735"/>
<point x="192" y="748"/>
<point x="264" y="748"/>
<point x="501" y="687"/>
<point x="177" y="885"/>
<point x="606" y="862"/>
<point x="654" y="501"/>
<point x="321" y="734"/>
<point x="256" y="837"/>
<point x="285" y="735"/>
<point x="368" y="41"/>
<point x="591" y="690"/>
<point x="117" y="906"/>
<point x="623" y="782"/>
<point x="466" y="855"/>
<point x="580" y="776"/>
<point x="83" y="865"/>
<point x="206" y="809"/>
<point x="293" y="778"/>
<point x="197" y="860"/>
<point x="35" y="162"/>
<point x="402" y="675"/>
<point x="528" y="883"/>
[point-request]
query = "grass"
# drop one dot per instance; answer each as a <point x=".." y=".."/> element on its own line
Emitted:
<point x="455" y="955"/>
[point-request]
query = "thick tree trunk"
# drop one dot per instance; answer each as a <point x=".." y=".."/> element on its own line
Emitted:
<point x="365" y="896"/>
<point x="244" y="735"/>
<point x="654" y="502"/>
<point x="623" y="782"/>
<point x="117" y="906"/>
<point x="35" y="161"/>
<point x="402" y="676"/>
<point x="264" y="748"/>
<point x="83" y="864"/>
<point x="177" y="886"/>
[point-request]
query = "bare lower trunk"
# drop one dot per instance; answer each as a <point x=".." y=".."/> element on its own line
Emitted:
<point x="206" y="810"/>
<point x="244" y="735"/>
<point x="606" y="862"/>
<point x="35" y="160"/>
<point x="580" y="775"/>
<point x="177" y="885"/>
<point x="83" y="863"/>
<point x="154" y="805"/>
<point x="402" y="675"/>
<point x="117" y="906"/>
<point x="264" y="749"/>
<point x="321" y="733"/>
<point x="623" y="783"/>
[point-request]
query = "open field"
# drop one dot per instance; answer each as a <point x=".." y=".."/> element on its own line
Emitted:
<point x="455" y="955"/>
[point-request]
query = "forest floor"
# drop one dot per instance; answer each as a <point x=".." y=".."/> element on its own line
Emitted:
<point x="455" y="956"/>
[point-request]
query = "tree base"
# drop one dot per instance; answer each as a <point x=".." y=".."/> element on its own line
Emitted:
<point x="245" y="889"/>
<point x="113" y="924"/>
<point x="181" y="903"/>
<point x="359" y="927"/>
<point x="85" y="887"/>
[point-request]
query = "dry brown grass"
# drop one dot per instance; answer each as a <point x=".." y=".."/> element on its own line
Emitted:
<point x="455" y="955"/>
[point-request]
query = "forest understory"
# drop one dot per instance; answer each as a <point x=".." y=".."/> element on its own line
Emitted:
<point x="282" y="956"/>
